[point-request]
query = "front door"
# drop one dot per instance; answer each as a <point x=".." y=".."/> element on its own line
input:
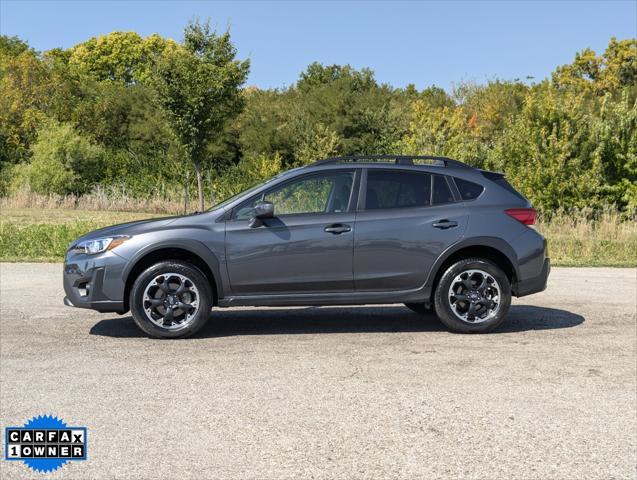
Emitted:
<point x="307" y="246"/>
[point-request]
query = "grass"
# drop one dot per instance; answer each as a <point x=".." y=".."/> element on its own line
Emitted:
<point x="99" y="200"/>
<point x="43" y="235"/>
<point x="59" y="216"/>
<point x="581" y="239"/>
<point x="40" y="234"/>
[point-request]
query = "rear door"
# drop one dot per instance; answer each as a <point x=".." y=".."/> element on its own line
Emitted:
<point x="306" y="248"/>
<point x="405" y="220"/>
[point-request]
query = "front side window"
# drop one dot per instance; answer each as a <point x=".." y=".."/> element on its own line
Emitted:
<point x="327" y="192"/>
<point x="396" y="189"/>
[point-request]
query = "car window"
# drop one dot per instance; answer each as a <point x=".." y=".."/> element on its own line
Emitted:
<point x="442" y="192"/>
<point x="327" y="192"/>
<point x="468" y="190"/>
<point x="396" y="189"/>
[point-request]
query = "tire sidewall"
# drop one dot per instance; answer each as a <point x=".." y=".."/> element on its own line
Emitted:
<point x="441" y="301"/>
<point x="172" y="266"/>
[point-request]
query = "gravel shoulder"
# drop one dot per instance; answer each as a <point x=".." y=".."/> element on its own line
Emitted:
<point x="333" y="392"/>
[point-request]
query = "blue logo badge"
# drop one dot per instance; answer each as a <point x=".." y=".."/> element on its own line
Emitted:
<point x="45" y="443"/>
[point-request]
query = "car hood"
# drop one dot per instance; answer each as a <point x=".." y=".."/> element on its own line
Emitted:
<point x="130" y="228"/>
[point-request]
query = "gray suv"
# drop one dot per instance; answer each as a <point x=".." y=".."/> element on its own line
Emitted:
<point x="429" y="232"/>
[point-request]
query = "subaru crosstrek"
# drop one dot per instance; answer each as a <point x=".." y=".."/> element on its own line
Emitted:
<point x="429" y="232"/>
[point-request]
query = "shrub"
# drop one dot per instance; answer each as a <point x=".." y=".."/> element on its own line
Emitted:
<point x="63" y="162"/>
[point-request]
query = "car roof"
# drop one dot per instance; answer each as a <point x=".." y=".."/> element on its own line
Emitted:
<point x="401" y="161"/>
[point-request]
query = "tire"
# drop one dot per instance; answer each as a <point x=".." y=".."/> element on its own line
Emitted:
<point x="177" y="308"/>
<point x="467" y="277"/>
<point x="419" y="308"/>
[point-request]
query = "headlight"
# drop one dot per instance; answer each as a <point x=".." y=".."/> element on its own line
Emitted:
<point x="99" y="245"/>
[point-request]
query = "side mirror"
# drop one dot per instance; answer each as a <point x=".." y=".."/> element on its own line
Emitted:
<point x="262" y="210"/>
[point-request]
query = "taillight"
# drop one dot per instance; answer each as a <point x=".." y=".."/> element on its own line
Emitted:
<point x="524" y="215"/>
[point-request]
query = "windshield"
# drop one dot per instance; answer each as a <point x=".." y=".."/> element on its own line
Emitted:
<point x="227" y="201"/>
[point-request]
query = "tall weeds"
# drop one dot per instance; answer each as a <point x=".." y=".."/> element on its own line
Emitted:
<point x="104" y="199"/>
<point x="39" y="228"/>
<point x="588" y="237"/>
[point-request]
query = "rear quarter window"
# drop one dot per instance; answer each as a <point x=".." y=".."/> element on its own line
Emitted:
<point x="468" y="190"/>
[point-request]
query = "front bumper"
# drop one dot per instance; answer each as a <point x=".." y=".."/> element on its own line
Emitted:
<point x="102" y="307"/>
<point x="94" y="283"/>
<point x="533" y="284"/>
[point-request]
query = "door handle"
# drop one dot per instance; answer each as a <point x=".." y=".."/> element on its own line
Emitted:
<point x="444" y="224"/>
<point x="338" y="228"/>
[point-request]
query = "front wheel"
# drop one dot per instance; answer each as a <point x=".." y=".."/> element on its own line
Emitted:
<point x="171" y="299"/>
<point x="473" y="296"/>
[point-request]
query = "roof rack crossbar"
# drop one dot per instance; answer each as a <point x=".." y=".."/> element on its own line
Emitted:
<point x="398" y="159"/>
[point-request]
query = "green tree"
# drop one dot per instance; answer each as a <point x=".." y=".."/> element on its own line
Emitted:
<point x="248" y="172"/>
<point x="549" y="152"/>
<point x="589" y="72"/>
<point x="434" y="96"/>
<point x="490" y="108"/>
<point x="314" y="142"/>
<point x="318" y="75"/>
<point x="199" y="87"/>
<point x="614" y="136"/>
<point x="363" y="114"/>
<point x="331" y="110"/>
<point x="24" y="92"/>
<point x="33" y="87"/>
<point x="12" y="46"/>
<point x="123" y="57"/>
<point x="62" y="161"/>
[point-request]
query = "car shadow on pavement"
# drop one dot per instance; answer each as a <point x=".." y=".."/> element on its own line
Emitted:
<point x="312" y="320"/>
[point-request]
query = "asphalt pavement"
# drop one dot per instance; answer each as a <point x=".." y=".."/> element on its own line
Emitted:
<point x="332" y="392"/>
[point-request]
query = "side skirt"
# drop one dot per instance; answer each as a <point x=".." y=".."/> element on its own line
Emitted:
<point x="319" y="299"/>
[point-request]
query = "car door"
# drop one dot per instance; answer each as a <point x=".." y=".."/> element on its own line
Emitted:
<point x="306" y="248"/>
<point x="405" y="220"/>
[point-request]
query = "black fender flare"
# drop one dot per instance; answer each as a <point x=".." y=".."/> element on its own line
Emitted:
<point x="492" y="242"/>
<point x="193" y="246"/>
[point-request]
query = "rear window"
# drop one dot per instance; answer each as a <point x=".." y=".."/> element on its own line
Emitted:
<point x="468" y="190"/>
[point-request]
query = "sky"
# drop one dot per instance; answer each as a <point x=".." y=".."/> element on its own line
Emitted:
<point x="420" y="42"/>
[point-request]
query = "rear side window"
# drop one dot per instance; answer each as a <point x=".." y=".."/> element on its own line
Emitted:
<point x="396" y="189"/>
<point x="442" y="192"/>
<point x="468" y="190"/>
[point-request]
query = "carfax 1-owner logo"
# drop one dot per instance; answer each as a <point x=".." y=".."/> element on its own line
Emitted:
<point x="45" y="443"/>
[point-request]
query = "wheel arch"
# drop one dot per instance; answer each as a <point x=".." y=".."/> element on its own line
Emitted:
<point x="489" y="248"/>
<point x="206" y="262"/>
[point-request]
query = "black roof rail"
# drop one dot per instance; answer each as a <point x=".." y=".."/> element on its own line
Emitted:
<point x="397" y="159"/>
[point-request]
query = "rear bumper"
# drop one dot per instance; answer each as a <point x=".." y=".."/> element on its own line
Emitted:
<point x="533" y="284"/>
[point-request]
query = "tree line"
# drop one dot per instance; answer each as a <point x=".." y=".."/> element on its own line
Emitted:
<point x="158" y="118"/>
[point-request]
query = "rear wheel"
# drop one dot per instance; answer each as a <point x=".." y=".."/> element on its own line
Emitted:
<point x="171" y="299"/>
<point x="419" y="308"/>
<point x="473" y="296"/>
